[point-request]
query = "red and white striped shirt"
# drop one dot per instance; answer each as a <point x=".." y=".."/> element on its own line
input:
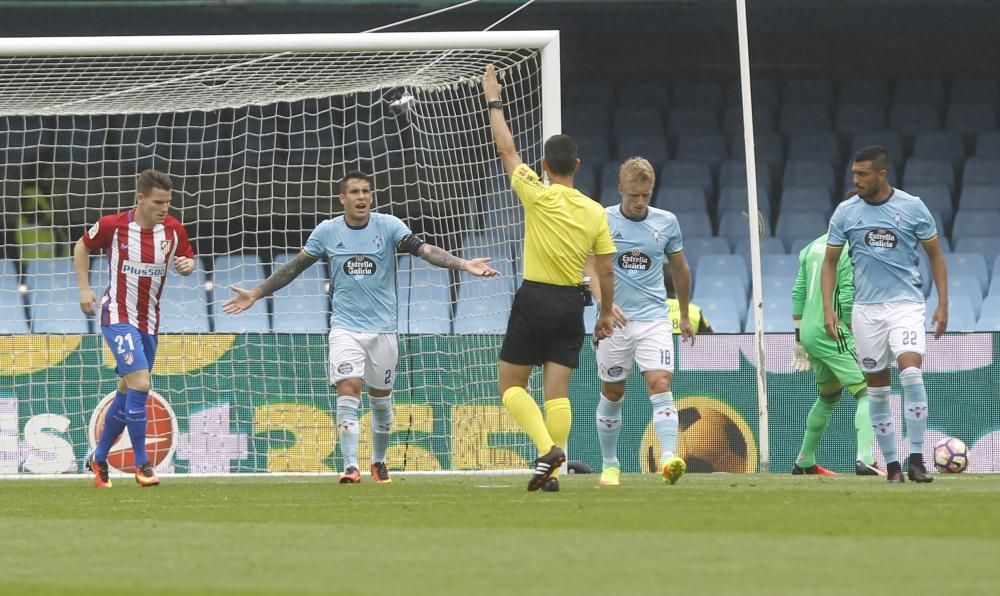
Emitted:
<point x="138" y="260"/>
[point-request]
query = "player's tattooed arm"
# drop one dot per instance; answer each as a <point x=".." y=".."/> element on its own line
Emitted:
<point x="442" y="258"/>
<point x="285" y="274"/>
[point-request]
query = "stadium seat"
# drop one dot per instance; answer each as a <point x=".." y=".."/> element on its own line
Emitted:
<point x="589" y="94"/>
<point x="12" y="313"/>
<point x="652" y="146"/>
<point x="929" y="171"/>
<point x="733" y="198"/>
<point x="733" y="173"/>
<point x="485" y="314"/>
<point x="428" y="309"/>
<point x="940" y="144"/>
<point x="20" y="138"/>
<point x="815" y="145"/>
<point x="808" y="92"/>
<point x="722" y="314"/>
<point x="911" y="118"/>
<point x="56" y="309"/>
<point x="792" y="224"/>
<point x="764" y="92"/>
<point x="970" y="118"/>
<point x="797" y="244"/>
<point x="777" y="287"/>
<point x="796" y="118"/>
<point x="682" y="198"/>
<point x="586" y="180"/>
<point x="964" y="285"/>
<point x="80" y="139"/>
<point x="725" y="287"/>
<point x="989" y="315"/>
<point x="691" y="121"/>
<point x="687" y="173"/>
<point x="626" y="122"/>
<point x="245" y="271"/>
<point x="915" y="90"/>
<point x="184" y="303"/>
<point x="769" y="245"/>
<point x="698" y="94"/>
<point x="780" y="265"/>
<point x="694" y="223"/>
<point x="194" y="137"/>
<point x="255" y="137"/>
<point x="806" y="198"/>
<point x="483" y="304"/>
<point x="973" y="91"/>
<point x="936" y="197"/>
<point x="733" y="226"/>
<point x="961" y="313"/>
<point x="768" y="148"/>
<point x="988" y="144"/>
<point x="980" y="170"/>
<point x="980" y="196"/>
<point x="697" y="246"/>
<point x="583" y="122"/>
<point x="888" y="139"/>
<point x="312" y="140"/>
<point x="864" y="92"/>
<point x="303" y="306"/>
<point x="709" y="148"/>
<point x="975" y="222"/>
<point x="589" y="318"/>
<point x="719" y="265"/>
<point x="972" y="264"/>
<point x="593" y="147"/>
<point x="810" y="173"/>
<point x="988" y="246"/>
<point x="777" y="316"/>
<point x="858" y="118"/>
<point x="763" y="120"/>
<point x="645" y="93"/>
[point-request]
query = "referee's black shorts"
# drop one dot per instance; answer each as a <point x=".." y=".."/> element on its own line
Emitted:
<point x="546" y="325"/>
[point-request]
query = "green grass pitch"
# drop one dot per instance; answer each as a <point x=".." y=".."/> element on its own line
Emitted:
<point x="709" y="534"/>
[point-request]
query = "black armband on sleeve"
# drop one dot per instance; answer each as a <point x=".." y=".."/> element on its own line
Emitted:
<point x="411" y="244"/>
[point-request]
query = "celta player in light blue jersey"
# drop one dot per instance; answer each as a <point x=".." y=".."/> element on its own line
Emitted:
<point x="646" y="238"/>
<point x="361" y="249"/>
<point x="882" y="225"/>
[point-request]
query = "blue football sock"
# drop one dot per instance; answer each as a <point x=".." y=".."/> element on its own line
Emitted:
<point x="665" y="420"/>
<point x="609" y="426"/>
<point x="135" y="420"/>
<point x="114" y="426"/>
<point x="347" y="428"/>
<point x="881" y="413"/>
<point x="381" y="426"/>
<point x="915" y="408"/>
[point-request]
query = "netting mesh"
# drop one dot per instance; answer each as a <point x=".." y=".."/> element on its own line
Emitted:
<point x="255" y="145"/>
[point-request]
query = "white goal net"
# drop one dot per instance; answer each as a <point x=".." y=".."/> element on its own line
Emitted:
<point x="256" y="132"/>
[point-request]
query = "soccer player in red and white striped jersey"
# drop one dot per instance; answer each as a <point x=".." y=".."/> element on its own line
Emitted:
<point x="140" y="244"/>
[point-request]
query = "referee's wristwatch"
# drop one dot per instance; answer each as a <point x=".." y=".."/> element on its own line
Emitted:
<point x="495" y="104"/>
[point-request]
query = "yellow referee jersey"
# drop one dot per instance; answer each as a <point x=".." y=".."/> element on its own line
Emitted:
<point x="561" y="228"/>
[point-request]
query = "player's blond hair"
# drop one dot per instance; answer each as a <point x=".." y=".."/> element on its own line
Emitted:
<point x="636" y="169"/>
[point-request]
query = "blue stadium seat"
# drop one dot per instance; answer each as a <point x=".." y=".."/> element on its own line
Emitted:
<point x="971" y="118"/>
<point x="184" y="303"/>
<point x="80" y="139"/>
<point x="643" y="93"/>
<point x="255" y="137"/>
<point x="484" y="304"/>
<point x="714" y="287"/>
<point x="697" y="246"/>
<point x="795" y="118"/>
<point x="722" y="314"/>
<point x="691" y="121"/>
<point x="888" y="139"/>
<point x="428" y="309"/>
<point x="586" y="121"/>
<point x="937" y="197"/>
<point x="780" y="265"/>
<point x="974" y="91"/>
<point x="589" y="94"/>
<point x="810" y="173"/>
<point x="485" y="314"/>
<point x="733" y="226"/>
<point x="710" y="148"/>
<point x="763" y="92"/>
<point x="303" y="306"/>
<point x="961" y="313"/>
<point x="988" y="144"/>
<point x="964" y="285"/>
<point x="980" y="170"/>
<point x="980" y="196"/>
<point x="733" y="198"/>
<point x="245" y="271"/>
<point x="806" y="198"/>
<point x="929" y="171"/>
<point x="863" y="91"/>
<point x="719" y="265"/>
<point x="915" y="90"/>
<point x="763" y="120"/>
<point x="627" y="122"/>
<point x="987" y="245"/>
<point x="809" y="92"/>
<point x="593" y="147"/>
<point x="12" y="314"/>
<point x="792" y="224"/>
<point x="859" y="118"/>
<point x="989" y="318"/>
<point x="313" y="139"/>
<point x="652" y="146"/>
<point x="682" y="198"/>
<point x="768" y="150"/>
<point x="733" y="173"/>
<point x="975" y="222"/>
<point x="694" y="223"/>
<point x="194" y="137"/>
<point x="911" y="118"/>
<point x="815" y="145"/>
<point x="56" y="309"/>
<point x="968" y="263"/>
<point x="686" y="173"/>
<point x="585" y="180"/>
<point x="769" y="245"/>
<point x="697" y="94"/>
<point x="995" y="280"/>
<point x="777" y="316"/>
<point x="940" y="144"/>
<point x="797" y="244"/>
<point x="777" y="287"/>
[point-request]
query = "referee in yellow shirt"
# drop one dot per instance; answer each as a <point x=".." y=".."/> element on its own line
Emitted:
<point x="561" y="228"/>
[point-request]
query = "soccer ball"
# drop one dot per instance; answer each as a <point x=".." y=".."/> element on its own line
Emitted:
<point x="951" y="455"/>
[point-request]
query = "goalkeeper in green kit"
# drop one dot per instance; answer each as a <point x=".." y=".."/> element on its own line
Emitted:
<point x="835" y="363"/>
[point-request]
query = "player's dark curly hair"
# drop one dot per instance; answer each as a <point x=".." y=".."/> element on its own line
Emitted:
<point x="561" y="155"/>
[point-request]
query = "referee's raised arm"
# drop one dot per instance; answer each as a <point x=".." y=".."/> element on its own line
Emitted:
<point x="501" y="133"/>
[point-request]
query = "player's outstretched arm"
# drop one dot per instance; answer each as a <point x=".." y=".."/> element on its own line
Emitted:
<point x="244" y="299"/>
<point x="506" y="147"/>
<point x="828" y="279"/>
<point x="81" y="262"/>
<point x="939" y="269"/>
<point x="442" y="258"/>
